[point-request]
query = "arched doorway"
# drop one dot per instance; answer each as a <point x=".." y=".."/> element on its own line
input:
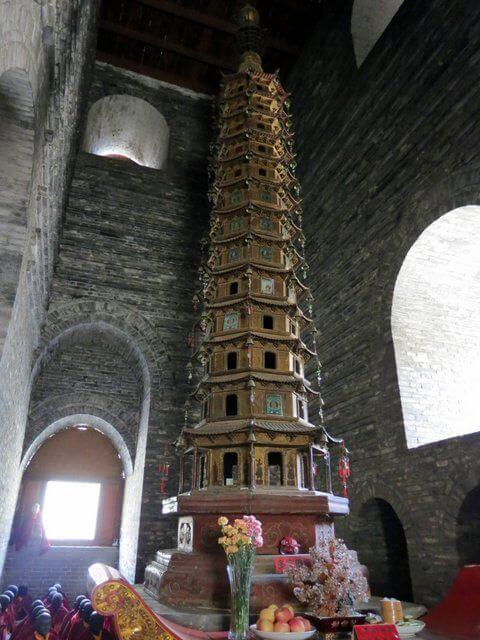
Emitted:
<point x="381" y="545"/>
<point x="77" y="478"/>
<point x="468" y="529"/>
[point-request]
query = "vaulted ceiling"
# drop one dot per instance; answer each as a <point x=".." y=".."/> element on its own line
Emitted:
<point x="190" y="42"/>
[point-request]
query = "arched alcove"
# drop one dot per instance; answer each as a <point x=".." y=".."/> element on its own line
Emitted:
<point x="381" y="545"/>
<point x="16" y="162"/>
<point x="468" y="529"/>
<point x="61" y="475"/>
<point x="370" y="18"/>
<point x="436" y="329"/>
<point x="123" y="126"/>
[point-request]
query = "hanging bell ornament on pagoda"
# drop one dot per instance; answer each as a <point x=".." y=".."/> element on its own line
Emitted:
<point x="189" y="369"/>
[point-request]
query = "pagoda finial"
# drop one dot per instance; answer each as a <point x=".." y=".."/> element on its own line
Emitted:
<point x="250" y="39"/>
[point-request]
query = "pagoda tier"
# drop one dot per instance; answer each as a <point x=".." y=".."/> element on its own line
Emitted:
<point x="255" y="448"/>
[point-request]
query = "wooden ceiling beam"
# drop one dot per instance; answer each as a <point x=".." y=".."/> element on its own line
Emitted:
<point x="155" y="72"/>
<point x="193" y="15"/>
<point x="168" y="45"/>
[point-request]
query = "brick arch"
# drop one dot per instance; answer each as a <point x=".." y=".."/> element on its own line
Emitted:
<point x="91" y="420"/>
<point x="60" y="407"/>
<point x="120" y="317"/>
<point x="381" y="540"/>
<point x="363" y="492"/>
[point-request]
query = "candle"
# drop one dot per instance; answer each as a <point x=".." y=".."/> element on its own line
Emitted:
<point x="398" y="610"/>
<point x="388" y="611"/>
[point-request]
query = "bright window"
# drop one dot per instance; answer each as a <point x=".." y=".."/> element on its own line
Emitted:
<point x="70" y="510"/>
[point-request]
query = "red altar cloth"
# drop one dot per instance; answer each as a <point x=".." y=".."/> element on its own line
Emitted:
<point x="458" y="614"/>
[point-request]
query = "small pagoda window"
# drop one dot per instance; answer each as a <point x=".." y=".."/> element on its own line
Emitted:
<point x="233" y="288"/>
<point x="232" y="360"/>
<point x="205" y="407"/>
<point x="297" y="366"/>
<point x="266" y="253"/>
<point x="261" y="125"/>
<point x="265" y="196"/>
<point x="268" y="322"/>
<point x="231" y="404"/>
<point x="270" y="360"/>
<point x="238" y="172"/>
<point x="262" y="148"/>
<point x="202" y="471"/>
<point x="230" y="467"/>
<point x="262" y="172"/>
<point x="275" y="469"/>
<point x="301" y="408"/>
<point x="303" y="463"/>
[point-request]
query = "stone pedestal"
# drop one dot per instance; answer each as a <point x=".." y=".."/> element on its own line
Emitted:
<point x="194" y="576"/>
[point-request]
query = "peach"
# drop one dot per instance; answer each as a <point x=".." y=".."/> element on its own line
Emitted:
<point x="265" y="625"/>
<point x="283" y="615"/>
<point x="274" y="607"/>
<point x="289" y="606"/>
<point x="267" y="614"/>
<point x="282" y="627"/>
<point x="307" y="624"/>
<point x="297" y="624"/>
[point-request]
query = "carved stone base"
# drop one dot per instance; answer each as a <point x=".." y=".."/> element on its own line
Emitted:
<point x="194" y="575"/>
<point x="199" y="581"/>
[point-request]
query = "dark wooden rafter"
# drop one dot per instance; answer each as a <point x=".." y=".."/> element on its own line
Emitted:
<point x="208" y="20"/>
<point x="190" y="44"/>
<point x="161" y="43"/>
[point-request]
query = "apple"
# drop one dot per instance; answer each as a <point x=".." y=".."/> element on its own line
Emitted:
<point x="281" y="627"/>
<point x="265" y="625"/>
<point x="267" y="614"/>
<point x="289" y="606"/>
<point x="284" y="614"/>
<point x="297" y="624"/>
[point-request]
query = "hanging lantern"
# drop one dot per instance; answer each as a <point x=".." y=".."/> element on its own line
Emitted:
<point x="344" y="470"/>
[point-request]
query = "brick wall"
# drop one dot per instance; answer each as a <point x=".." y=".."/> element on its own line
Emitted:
<point x="383" y="152"/>
<point x="49" y="45"/>
<point x="114" y="344"/>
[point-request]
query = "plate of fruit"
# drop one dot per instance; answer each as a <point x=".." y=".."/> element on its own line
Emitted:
<point x="281" y="623"/>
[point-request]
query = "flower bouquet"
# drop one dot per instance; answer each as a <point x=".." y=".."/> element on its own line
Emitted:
<point x="330" y="585"/>
<point x="240" y="540"/>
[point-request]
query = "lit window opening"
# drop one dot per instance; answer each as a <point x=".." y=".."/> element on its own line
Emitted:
<point x="70" y="510"/>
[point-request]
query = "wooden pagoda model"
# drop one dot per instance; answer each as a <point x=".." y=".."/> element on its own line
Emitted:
<point x="255" y="449"/>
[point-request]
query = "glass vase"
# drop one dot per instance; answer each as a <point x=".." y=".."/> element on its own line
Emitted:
<point x="240" y="571"/>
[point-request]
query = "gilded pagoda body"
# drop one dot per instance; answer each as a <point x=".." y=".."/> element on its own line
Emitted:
<point x="254" y="449"/>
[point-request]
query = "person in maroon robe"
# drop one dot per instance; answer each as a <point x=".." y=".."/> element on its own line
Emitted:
<point x="97" y="628"/>
<point x="80" y="629"/>
<point x="23" y="603"/>
<point x="42" y="627"/>
<point x="4" y="604"/>
<point x="67" y="621"/>
<point x="58" y="612"/>
<point x="27" y="628"/>
<point x="59" y="588"/>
